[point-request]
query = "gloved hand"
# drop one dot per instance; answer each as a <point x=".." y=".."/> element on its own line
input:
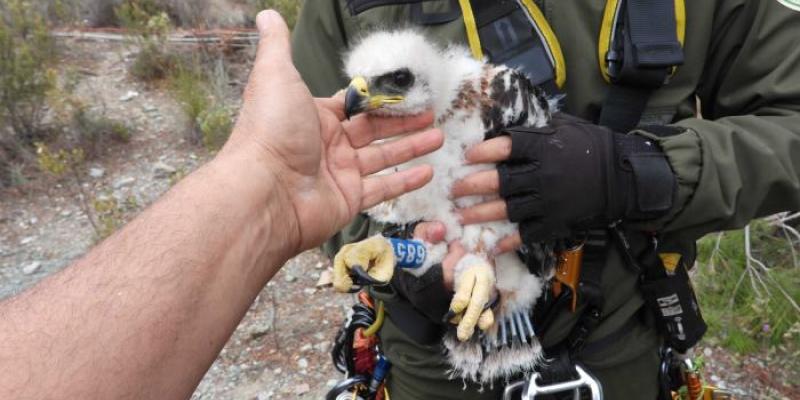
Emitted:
<point x="474" y="283"/>
<point x="374" y="255"/>
<point x="573" y="174"/>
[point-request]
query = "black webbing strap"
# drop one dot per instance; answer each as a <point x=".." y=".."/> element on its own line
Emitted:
<point x="507" y="37"/>
<point x="413" y="323"/>
<point x="590" y="292"/>
<point x="562" y="357"/>
<point x="640" y="59"/>
<point x="653" y="33"/>
<point x="623" y="107"/>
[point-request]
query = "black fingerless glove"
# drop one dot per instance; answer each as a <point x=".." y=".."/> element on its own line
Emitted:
<point x="573" y="175"/>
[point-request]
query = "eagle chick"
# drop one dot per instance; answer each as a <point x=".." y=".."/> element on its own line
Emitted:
<point x="403" y="73"/>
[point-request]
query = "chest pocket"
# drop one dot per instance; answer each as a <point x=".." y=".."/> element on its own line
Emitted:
<point x="421" y="12"/>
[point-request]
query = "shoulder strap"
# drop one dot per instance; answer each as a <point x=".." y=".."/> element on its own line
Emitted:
<point x="644" y="50"/>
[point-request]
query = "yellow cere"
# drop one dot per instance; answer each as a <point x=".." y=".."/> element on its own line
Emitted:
<point x="359" y="83"/>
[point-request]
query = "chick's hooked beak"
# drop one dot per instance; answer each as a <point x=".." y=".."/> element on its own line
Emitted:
<point x="357" y="98"/>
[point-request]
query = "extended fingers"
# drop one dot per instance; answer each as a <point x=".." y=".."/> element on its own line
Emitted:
<point x="364" y="129"/>
<point x="454" y="253"/>
<point x="431" y="232"/>
<point x="508" y="244"/>
<point x="377" y="189"/>
<point x="494" y="210"/>
<point x="482" y="182"/>
<point x="377" y="157"/>
<point x="334" y="104"/>
<point x="490" y="151"/>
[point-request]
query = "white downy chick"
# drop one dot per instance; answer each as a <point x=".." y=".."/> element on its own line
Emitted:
<point x="404" y="73"/>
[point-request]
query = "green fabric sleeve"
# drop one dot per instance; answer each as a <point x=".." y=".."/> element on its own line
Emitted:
<point x="318" y="42"/>
<point x="742" y="160"/>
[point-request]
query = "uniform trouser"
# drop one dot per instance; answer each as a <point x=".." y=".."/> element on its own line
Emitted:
<point x="420" y="372"/>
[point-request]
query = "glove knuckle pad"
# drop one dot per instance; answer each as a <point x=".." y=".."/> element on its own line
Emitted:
<point x="518" y="178"/>
<point x="521" y="208"/>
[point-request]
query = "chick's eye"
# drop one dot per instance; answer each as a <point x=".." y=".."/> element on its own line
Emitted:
<point x="403" y="78"/>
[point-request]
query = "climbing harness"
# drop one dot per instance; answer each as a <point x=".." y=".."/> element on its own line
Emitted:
<point x="688" y="376"/>
<point x="357" y="354"/>
<point x="640" y="47"/>
<point x="356" y="351"/>
<point x="501" y="31"/>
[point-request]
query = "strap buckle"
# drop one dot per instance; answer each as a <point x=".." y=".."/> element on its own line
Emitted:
<point x="529" y="389"/>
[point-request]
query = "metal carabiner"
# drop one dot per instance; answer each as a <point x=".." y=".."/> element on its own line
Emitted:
<point x="530" y="389"/>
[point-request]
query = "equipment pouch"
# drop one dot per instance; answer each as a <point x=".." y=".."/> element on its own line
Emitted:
<point x="673" y="302"/>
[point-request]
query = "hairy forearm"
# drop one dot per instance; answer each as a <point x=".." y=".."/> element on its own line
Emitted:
<point x="144" y="314"/>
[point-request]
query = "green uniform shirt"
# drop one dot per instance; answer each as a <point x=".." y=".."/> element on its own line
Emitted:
<point x="741" y="161"/>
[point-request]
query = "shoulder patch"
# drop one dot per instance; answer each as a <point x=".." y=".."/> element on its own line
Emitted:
<point x="790" y="4"/>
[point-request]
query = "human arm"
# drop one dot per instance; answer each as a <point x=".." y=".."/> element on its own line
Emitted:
<point x="742" y="159"/>
<point x="144" y="314"/>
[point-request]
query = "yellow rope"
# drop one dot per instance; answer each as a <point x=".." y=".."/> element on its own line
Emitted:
<point x="373" y="329"/>
<point x="386" y="393"/>
<point x="472" y="29"/>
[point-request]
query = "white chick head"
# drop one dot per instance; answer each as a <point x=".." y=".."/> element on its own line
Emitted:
<point x="392" y="73"/>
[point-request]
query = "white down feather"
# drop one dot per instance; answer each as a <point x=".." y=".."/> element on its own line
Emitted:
<point x="441" y="73"/>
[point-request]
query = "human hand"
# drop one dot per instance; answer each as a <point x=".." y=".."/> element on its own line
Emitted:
<point x="313" y="159"/>
<point x="569" y="176"/>
<point x="434" y="232"/>
<point x="486" y="183"/>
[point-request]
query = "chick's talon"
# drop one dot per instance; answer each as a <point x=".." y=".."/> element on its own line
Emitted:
<point x="475" y="285"/>
<point x="374" y="256"/>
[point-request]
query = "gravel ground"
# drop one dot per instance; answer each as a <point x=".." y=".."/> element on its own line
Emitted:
<point x="280" y="349"/>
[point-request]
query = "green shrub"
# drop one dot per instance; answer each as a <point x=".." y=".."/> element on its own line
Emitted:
<point x="152" y="62"/>
<point x="189" y="87"/>
<point x="152" y="26"/>
<point x="26" y="54"/>
<point x="289" y="9"/>
<point x="749" y="307"/>
<point x="202" y="101"/>
<point x="215" y="127"/>
<point x="94" y="132"/>
<point x="111" y="215"/>
<point x="104" y="213"/>
<point x="143" y="17"/>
